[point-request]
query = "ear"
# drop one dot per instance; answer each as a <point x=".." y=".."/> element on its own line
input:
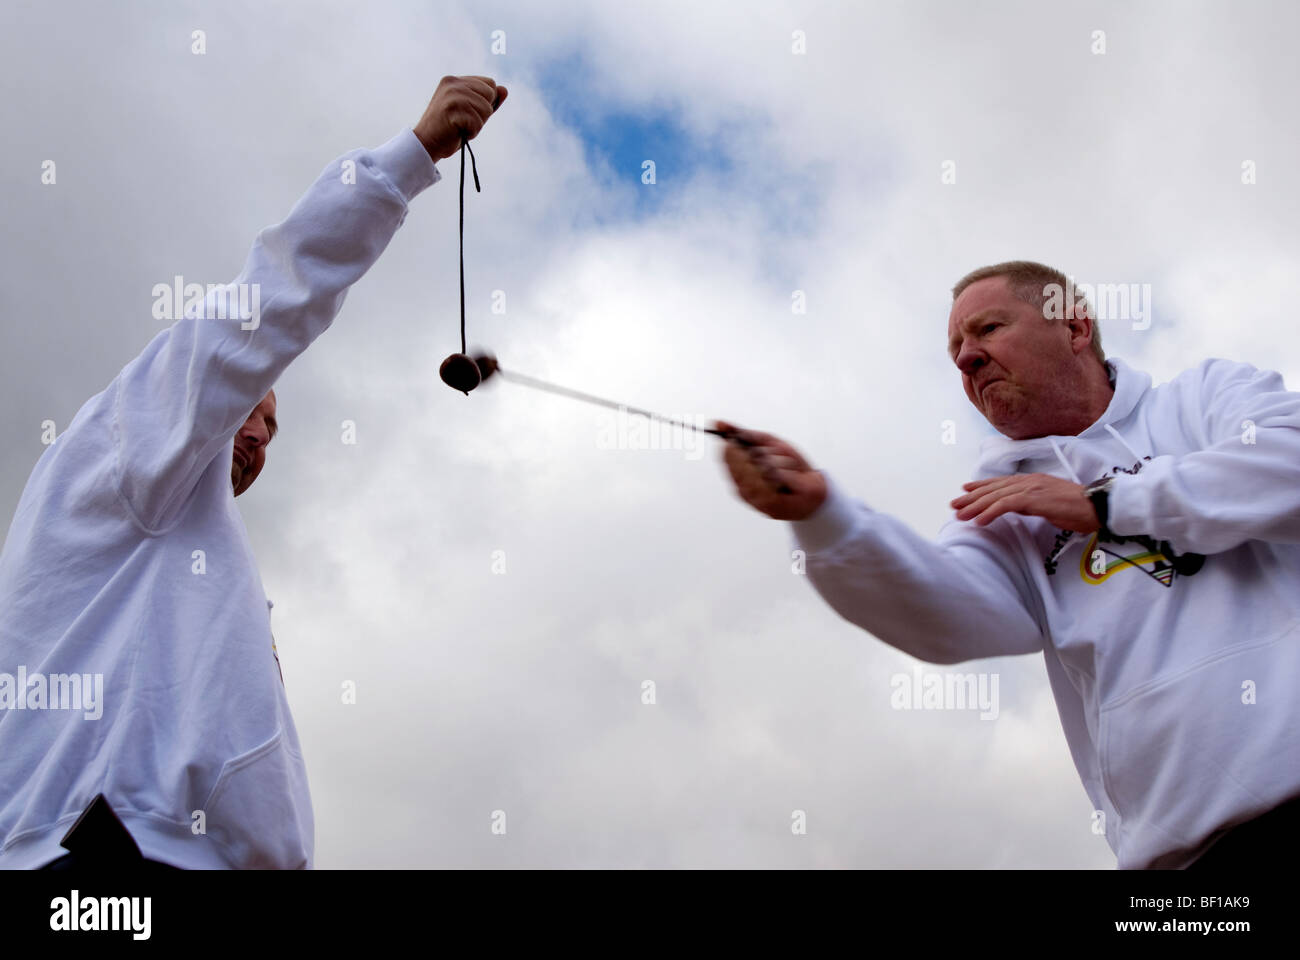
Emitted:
<point x="1079" y="317"/>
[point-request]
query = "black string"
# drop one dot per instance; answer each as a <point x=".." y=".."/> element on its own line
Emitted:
<point x="464" y="145"/>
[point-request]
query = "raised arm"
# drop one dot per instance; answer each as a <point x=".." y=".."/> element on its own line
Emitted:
<point x="178" y="405"/>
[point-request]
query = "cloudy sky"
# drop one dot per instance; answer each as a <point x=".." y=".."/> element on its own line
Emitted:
<point x="776" y="171"/>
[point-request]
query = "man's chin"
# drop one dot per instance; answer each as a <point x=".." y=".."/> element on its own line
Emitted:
<point x="1004" y="421"/>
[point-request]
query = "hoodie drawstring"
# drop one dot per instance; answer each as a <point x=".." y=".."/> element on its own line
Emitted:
<point x="1056" y="448"/>
<point x="1064" y="462"/>
<point x="1137" y="457"/>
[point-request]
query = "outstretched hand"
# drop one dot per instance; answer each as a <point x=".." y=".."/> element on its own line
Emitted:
<point x="762" y="466"/>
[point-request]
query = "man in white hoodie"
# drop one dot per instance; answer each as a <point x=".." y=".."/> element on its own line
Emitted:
<point x="1145" y="541"/>
<point x="128" y="567"/>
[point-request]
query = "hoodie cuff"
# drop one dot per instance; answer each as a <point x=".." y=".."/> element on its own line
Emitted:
<point x="830" y="523"/>
<point x="1127" y="507"/>
<point x="405" y="162"/>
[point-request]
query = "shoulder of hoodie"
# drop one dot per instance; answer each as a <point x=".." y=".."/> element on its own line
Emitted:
<point x="1214" y="374"/>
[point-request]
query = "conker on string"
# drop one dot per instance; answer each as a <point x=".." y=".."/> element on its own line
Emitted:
<point x="460" y="373"/>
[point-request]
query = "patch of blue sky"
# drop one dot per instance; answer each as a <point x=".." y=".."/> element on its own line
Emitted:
<point x="619" y="140"/>
<point x="728" y="163"/>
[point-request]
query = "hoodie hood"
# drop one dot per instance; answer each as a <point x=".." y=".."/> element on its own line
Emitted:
<point x="1070" y="456"/>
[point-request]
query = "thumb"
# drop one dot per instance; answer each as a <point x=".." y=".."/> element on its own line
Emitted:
<point x="502" y="93"/>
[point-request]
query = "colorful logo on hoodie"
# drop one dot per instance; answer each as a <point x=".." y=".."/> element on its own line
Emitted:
<point x="1099" y="562"/>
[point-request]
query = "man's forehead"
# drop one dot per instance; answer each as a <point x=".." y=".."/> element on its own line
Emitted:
<point x="991" y="291"/>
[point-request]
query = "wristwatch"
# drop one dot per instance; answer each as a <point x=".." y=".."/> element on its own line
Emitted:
<point x="1098" y="492"/>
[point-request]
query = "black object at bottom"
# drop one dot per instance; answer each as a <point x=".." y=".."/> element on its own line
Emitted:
<point x="100" y="839"/>
<point x="1256" y="842"/>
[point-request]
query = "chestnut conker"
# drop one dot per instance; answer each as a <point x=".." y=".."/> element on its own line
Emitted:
<point x="460" y="373"/>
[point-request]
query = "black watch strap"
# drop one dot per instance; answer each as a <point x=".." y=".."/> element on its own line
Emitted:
<point x="1098" y="492"/>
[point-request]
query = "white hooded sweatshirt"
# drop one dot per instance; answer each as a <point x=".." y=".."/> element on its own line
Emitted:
<point x="191" y="740"/>
<point x="1175" y="675"/>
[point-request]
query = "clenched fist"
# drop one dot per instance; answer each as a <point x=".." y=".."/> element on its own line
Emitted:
<point x="459" y="105"/>
<point x="763" y="466"/>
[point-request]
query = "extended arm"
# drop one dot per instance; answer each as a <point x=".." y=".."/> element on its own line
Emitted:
<point x="960" y="598"/>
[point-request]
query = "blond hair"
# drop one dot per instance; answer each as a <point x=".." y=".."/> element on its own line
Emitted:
<point x="1026" y="280"/>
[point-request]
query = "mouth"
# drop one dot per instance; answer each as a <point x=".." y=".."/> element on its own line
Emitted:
<point x="241" y="459"/>
<point x="988" y="383"/>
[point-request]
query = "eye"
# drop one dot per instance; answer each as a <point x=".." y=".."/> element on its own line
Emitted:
<point x="988" y="327"/>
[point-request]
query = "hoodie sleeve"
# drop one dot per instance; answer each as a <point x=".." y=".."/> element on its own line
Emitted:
<point x="961" y="598"/>
<point x="1244" y="484"/>
<point x="178" y="406"/>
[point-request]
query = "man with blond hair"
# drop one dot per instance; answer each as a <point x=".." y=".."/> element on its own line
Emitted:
<point x="1145" y="541"/>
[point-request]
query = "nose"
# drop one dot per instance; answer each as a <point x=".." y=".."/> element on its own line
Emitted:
<point x="256" y="433"/>
<point x="969" y="359"/>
